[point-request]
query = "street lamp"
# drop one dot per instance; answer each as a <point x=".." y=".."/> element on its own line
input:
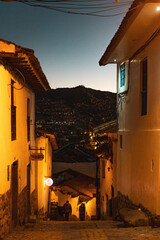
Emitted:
<point x="49" y="182"/>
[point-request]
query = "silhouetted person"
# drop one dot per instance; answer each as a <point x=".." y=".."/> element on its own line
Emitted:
<point x="82" y="212"/>
<point x="67" y="210"/>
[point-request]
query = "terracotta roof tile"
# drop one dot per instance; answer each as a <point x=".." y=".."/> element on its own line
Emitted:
<point x="127" y="20"/>
<point x="24" y="62"/>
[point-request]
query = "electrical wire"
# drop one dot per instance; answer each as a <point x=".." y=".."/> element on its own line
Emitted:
<point x="83" y="7"/>
<point x="86" y="5"/>
<point x="24" y="81"/>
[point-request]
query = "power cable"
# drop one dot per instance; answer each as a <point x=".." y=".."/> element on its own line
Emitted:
<point x="81" y="7"/>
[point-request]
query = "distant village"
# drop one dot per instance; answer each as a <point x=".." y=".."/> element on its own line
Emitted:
<point x="105" y="168"/>
<point x="72" y="113"/>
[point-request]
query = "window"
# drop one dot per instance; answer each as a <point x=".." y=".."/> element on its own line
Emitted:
<point x="112" y="191"/>
<point x="122" y="75"/>
<point x="28" y="119"/>
<point x="7" y="172"/>
<point x="12" y="93"/>
<point x="103" y="168"/>
<point x="144" y="88"/>
<point x="13" y="113"/>
<point x="121" y="142"/>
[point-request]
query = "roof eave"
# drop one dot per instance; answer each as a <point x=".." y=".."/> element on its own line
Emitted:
<point x="133" y="11"/>
<point x="24" y="61"/>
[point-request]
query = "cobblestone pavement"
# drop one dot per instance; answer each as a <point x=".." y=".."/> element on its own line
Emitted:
<point x="87" y="230"/>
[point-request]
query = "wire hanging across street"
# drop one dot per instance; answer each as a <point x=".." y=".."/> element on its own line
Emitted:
<point x="99" y="8"/>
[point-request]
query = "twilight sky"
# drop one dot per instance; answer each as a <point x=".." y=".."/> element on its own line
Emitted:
<point x="67" y="46"/>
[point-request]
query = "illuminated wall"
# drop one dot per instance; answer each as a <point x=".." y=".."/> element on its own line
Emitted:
<point x="61" y="198"/>
<point x="16" y="151"/>
<point x="139" y="136"/>
<point x="108" y="179"/>
<point x="19" y="174"/>
<point x="44" y="169"/>
<point x="19" y="148"/>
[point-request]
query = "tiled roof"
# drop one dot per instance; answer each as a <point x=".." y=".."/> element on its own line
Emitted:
<point x="51" y="137"/>
<point x="69" y="171"/>
<point x="25" y="64"/>
<point x="72" y="154"/>
<point x="79" y="185"/>
<point x="127" y="20"/>
<point x="111" y="126"/>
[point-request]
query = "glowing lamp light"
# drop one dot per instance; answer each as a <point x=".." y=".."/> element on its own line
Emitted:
<point x="49" y="182"/>
<point x="158" y="8"/>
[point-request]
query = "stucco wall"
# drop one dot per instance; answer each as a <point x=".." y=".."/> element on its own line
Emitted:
<point x="110" y="178"/>
<point x="17" y="150"/>
<point x="138" y="160"/>
<point x="5" y="136"/>
<point x="44" y="169"/>
<point x="61" y="198"/>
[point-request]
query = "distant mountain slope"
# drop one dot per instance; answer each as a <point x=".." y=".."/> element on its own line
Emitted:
<point x="74" y="109"/>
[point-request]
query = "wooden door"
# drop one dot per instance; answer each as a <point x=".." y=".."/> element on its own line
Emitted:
<point x="107" y="212"/>
<point x="28" y="191"/>
<point x="14" y="190"/>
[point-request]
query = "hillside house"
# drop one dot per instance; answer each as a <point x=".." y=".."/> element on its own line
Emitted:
<point x="135" y="49"/>
<point x="21" y="153"/>
<point x="67" y="161"/>
<point x="77" y="188"/>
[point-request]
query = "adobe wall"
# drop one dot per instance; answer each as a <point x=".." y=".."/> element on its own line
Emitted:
<point x="22" y="207"/>
<point x="138" y="161"/>
<point x="4" y="213"/>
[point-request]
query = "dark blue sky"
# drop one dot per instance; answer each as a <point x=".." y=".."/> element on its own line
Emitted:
<point x="67" y="46"/>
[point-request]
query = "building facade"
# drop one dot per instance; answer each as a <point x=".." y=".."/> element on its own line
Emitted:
<point x="20" y="78"/>
<point x="135" y="48"/>
<point x="106" y="135"/>
<point x="77" y="188"/>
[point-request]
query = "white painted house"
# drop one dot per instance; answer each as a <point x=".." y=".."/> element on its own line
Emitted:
<point x="135" y="49"/>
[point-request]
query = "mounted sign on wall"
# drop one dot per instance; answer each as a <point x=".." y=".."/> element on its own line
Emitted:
<point x="36" y="156"/>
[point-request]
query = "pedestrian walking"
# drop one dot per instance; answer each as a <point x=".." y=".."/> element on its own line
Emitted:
<point x="82" y="211"/>
<point x="67" y="210"/>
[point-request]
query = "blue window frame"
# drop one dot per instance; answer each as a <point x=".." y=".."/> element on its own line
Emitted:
<point x="122" y="75"/>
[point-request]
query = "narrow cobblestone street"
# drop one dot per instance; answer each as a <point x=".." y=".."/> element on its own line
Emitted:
<point x="88" y="230"/>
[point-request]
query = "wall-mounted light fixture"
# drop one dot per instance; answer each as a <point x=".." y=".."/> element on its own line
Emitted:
<point x="49" y="181"/>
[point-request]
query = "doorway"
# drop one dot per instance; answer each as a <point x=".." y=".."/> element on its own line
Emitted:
<point x="14" y="190"/>
<point x="107" y="213"/>
<point x="28" y="190"/>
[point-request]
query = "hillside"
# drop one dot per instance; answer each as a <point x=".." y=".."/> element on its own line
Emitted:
<point x="74" y="110"/>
